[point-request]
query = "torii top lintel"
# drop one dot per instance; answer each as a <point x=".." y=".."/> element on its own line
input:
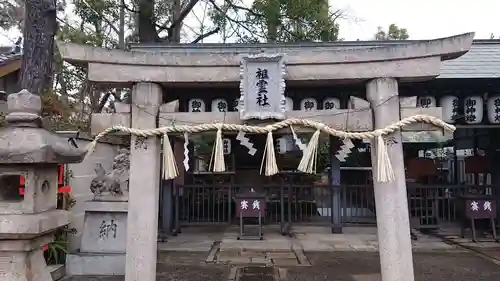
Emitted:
<point x="407" y="60"/>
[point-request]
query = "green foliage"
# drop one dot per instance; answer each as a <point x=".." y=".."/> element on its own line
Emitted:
<point x="203" y="144"/>
<point x="393" y="33"/>
<point x="279" y="21"/>
<point x="57" y="250"/>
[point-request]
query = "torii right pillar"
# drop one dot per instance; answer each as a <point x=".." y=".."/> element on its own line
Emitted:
<point x="393" y="225"/>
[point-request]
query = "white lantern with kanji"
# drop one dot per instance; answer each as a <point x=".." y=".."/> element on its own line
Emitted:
<point x="289" y="104"/>
<point x="196" y="105"/>
<point x="450" y="106"/>
<point x="426" y="101"/>
<point x="226" y="146"/>
<point x="220" y="105"/>
<point x="309" y="104"/>
<point x="281" y="145"/>
<point x="473" y="109"/>
<point x="494" y="109"/>
<point x="331" y="104"/>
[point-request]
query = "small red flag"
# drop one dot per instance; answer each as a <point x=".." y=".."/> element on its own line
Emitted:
<point x="65" y="189"/>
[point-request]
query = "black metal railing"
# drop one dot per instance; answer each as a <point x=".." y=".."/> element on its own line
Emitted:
<point x="436" y="206"/>
<point x="214" y="204"/>
<point x="428" y="205"/>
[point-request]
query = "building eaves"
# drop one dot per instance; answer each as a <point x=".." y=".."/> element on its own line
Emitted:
<point x="9" y="54"/>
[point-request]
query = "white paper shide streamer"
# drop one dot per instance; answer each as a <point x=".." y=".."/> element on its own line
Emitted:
<point x="298" y="141"/>
<point x="344" y="150"/>
<point x="170" y="170"/>
<point x="186" y="152"/>
<point x="244" y="141"/>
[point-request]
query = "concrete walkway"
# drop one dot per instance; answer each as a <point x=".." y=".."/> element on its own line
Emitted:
<point x="309" y="239"/>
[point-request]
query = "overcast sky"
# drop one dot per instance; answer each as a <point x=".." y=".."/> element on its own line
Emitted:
<point x="424" y="19"/>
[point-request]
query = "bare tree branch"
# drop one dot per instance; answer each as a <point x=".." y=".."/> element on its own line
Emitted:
<point x="102" y="17"/>
<point x="183" y="14"/>
<point x="239" y="22"/>
<point x="205" y="35"/>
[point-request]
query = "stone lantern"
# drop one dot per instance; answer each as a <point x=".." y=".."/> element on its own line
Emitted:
<point x="28" y="222"/>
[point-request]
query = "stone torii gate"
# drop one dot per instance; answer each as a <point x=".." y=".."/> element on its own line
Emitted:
<point x="147" y="68"/>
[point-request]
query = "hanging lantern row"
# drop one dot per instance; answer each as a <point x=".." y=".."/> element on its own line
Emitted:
<point x="221" y="105"/>
<point x="473" y="108"/>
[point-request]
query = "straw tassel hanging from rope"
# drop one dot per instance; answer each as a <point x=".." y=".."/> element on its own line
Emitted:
<point x="218" y="153"/>
<point x="269" y="157"/>
<point x="308" y="162"/>
<point x="170" y="170"/>
<point x="384" y="172"/>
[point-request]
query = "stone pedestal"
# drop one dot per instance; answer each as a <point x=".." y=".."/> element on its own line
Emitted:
<point x="27" y="222"/>
<point x="104" y="240"/>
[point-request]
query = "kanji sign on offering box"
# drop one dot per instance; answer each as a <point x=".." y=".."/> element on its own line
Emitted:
<point x="250" y="206"/>
<point x="480" y="208"/>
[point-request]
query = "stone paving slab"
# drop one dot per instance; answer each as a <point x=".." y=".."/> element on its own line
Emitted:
<point x="491" y="253"/>
<point x="309" y="239"/>
<point x="363" y="239"/>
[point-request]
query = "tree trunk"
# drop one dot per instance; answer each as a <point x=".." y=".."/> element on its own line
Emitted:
<point x="272" y="20"/>
<point x="147" y="29"/>
<point x="40" y="26"/>
<point x="176" y="11"/>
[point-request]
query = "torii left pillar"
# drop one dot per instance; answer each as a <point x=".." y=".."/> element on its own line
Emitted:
<point x="142" y="222"/>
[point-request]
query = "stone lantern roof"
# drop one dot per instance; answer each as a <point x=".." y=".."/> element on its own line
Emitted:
<point x="24" y="141"/>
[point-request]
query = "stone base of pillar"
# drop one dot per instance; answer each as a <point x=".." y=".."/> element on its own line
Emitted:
<point x="336" y="229"/>
<point x="23" y="260"/>
<point x="104" y="239"/>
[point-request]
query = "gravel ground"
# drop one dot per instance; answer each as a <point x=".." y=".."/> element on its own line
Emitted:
<point x="342" y="266"/>
<point x="332" y="266"/>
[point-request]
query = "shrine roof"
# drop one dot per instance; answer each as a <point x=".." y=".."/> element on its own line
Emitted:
<point x="482" y="61"/>
<point x="9" y="54"/>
